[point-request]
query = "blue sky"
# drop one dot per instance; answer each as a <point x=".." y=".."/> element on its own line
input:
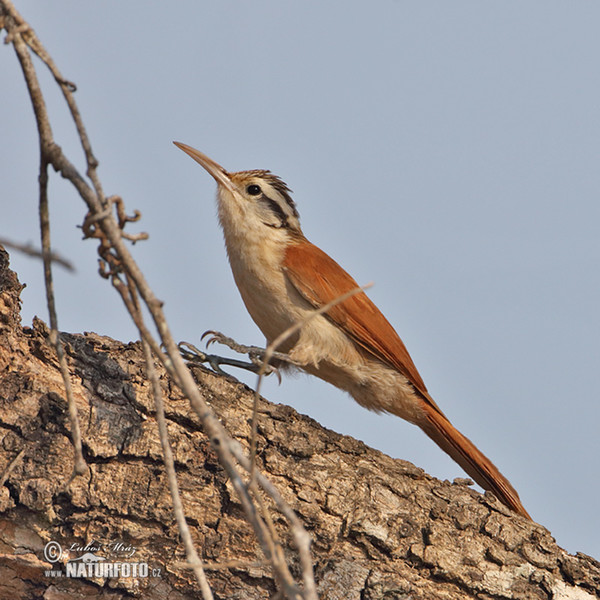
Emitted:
<point x="448" y="152"/>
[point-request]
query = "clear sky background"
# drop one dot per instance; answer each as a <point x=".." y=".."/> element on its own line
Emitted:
<point x="447" y="151"/>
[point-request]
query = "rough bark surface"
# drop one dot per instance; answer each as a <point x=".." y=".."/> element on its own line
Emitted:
<point x="382" y="528"/>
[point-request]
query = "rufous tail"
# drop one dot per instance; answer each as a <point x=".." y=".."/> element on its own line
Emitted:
<point x="474" y="462"/>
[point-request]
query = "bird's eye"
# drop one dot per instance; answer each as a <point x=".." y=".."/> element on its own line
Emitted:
<point x="253" y="190"/>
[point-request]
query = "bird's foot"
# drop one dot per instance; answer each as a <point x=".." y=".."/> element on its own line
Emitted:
<point x="196" y="356"/>
<point x="255" y="354"/>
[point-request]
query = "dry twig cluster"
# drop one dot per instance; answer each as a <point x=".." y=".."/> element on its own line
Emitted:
<point x="106" y="220"/>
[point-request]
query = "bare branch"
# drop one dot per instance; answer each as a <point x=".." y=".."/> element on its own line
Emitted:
<point x="29" y="250"/>
<point x="80" y="467"/>
<point x="184" y="530"/>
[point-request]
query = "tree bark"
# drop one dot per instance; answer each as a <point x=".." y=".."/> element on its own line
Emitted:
<point x="381" y="528"/>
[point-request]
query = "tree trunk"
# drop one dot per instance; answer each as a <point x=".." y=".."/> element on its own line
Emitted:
<point x="381" y="528"/>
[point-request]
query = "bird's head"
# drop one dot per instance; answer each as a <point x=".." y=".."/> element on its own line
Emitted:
<point x="250" y="198"/>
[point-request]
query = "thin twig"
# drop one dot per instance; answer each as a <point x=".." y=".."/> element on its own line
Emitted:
<point x="21" y="33"/>
<point x="10" y="467"/>
<point x="184" y="530"/>
<point x="168" y="459"/>
<point x="272" y="348"/>
<point x="67" y="88"/>
<point x="80" y="466"/>
<point x="29" y="250"/>
<point x="300" y="535"/>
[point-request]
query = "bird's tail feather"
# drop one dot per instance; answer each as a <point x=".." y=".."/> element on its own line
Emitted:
<point x="471" y="459"/>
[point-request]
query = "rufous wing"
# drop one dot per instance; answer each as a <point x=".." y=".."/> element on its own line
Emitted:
<point x="319" y="280"/>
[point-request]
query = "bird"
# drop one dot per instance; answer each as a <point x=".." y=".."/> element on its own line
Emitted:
<point x="282" y="278"/>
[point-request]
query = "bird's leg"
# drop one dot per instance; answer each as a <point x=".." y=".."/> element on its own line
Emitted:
<point x="194" y="355"/>
<point x="255" y="354"/>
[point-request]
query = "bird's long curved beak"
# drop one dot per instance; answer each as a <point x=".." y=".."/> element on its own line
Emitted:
<point x="220" y="175"/>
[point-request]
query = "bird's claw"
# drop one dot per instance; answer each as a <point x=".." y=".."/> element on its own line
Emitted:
<point x="218" y="337"/>
<point x="210" y="340"/>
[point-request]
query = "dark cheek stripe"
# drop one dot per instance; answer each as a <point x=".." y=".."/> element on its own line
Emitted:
<point x="276" y="209"/>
